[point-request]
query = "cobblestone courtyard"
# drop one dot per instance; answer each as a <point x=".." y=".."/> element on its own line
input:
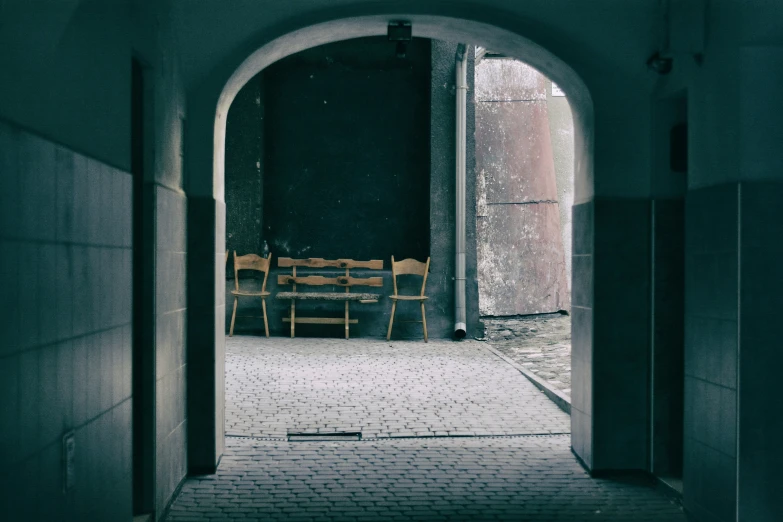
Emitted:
<point x="427" y="413"/>
<point x="539" y="343"/>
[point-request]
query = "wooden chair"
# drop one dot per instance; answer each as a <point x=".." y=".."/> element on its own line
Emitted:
<point x="250" y="262"/>
<point x="409" y="267"/>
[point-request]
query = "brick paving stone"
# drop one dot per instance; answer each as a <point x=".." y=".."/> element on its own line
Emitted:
<point x="539" y="343"/>
<point x="530" y="478"/>
<point x="279" y="386"/>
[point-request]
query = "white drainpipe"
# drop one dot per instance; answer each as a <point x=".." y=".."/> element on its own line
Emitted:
<point x="460" y="327"/>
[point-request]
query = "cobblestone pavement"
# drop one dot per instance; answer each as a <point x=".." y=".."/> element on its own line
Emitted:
<point x="533" y="478"/>
<point x="540" y="343"/>
<point x="280" y="385"/>
<point x="395" y="389"/>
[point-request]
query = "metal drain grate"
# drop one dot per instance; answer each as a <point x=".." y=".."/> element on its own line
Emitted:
<point x="320" y="437"/>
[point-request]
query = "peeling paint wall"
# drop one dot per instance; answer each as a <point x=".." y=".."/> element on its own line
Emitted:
<point x="522" y="266"/>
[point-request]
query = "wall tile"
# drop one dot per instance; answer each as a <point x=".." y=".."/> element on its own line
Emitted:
<point x="28" y="404"/>
<point x="127" y="361"/>
<point x="50" y="497"/>
<point x="49" y="416"/>
<point x="727" y="429"/>
<point x="81" y="200"/>
<point x="117" y="364"/>
<point x="65" y="388"/>
<point x="27" y="283"/>
<point x="104" y="354"/>
<point x="9" y="408"/>
<point x="94" y="201"/>
<point x="582" y="223"/>
<point x="37" y="184"/>
<point x="64" y="291"/>
<point x="93" y="375"/>
<point x="9" y="298"/>
<point x="95" y="291"/>
<point x="80" y="381"/>
<point x="82" y="280"/>
<point x="105" y="278"/>
<point x="47" y="293"/>
<point x="64" y="161"/>
<point x="711" y="219"/>
<point x="10" y="188"/>
<point x="125" y="232"/>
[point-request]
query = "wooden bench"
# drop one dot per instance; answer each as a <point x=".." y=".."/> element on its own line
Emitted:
<point x="346" y="281"/>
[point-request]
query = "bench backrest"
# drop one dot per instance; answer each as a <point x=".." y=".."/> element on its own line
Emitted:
<point x="345" y="281"/>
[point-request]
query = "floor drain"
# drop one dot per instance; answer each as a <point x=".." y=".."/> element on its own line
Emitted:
<point x="318" y="437"/>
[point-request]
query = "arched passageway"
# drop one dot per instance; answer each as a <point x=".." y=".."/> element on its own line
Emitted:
<point x="676" y="234"/>
<point x="209" y="185"/>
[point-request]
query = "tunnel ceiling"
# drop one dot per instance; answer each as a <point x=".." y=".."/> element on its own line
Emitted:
<point x="600" y="34"/>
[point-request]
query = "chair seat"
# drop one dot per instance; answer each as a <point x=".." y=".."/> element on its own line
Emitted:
<point x="408" y="297"/>
<point x="249" y="294"/>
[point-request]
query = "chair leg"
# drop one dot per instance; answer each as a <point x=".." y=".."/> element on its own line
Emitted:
<point x="293" y="317"/>
<point x="266" y="324"/>
<point x="424" y="322"/>
<point x="347" y="324"/>
<point x="233" y="318"/>
<point x="391" y="320"/>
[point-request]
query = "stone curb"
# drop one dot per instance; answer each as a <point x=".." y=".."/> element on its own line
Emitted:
<point x="563" y="401"/>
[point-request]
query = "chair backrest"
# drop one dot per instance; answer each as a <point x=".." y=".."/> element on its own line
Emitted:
<point x="251" y="262"/>
<point x="410" y="267"/>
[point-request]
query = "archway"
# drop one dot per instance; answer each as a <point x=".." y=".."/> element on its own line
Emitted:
<point x="207" y="208"/>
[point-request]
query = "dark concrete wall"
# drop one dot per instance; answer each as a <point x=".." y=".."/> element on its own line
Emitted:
<point x="430" y="222"/>
<point x="244" y="170"/>
<point x="346" y="163"/>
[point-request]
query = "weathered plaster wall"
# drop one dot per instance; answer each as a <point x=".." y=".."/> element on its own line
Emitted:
<point x="522" y="267"/>
<point x="561" y="133"/>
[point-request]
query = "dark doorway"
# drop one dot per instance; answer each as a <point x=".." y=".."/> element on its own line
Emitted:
<point x="668" y="291"/>
<point x="143" y="385"/>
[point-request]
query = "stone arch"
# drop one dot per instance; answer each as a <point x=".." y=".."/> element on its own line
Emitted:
<point x="208" y="110"/>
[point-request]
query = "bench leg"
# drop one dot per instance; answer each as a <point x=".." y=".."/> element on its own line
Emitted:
<point x="424" y="322"/>
<point x="266" y="324"/>
<point x="391" y="321"/>
<point x="233" y="318"/>
<point x="346" y="320"/>
<point x="293" y="317"/>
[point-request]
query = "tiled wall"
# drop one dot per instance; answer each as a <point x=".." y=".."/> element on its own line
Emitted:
<point x="582" y="333"/>
<point x="711" y="345"/>
<point x="170" y="323"/>
<point x="668" y="335"/>
<point x="206" y="326"/>
<point x="621" y="320"/>
<point x="761" y="357"/>
<point x="65" y="336"/>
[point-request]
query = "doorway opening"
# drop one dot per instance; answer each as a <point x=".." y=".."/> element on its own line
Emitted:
<point x="348" y="150"/>
<point x="525" y="191"/>
<point x="668" y="289"/>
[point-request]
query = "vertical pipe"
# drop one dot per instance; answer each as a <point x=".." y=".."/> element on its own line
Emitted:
<point x="460" y="327"/>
